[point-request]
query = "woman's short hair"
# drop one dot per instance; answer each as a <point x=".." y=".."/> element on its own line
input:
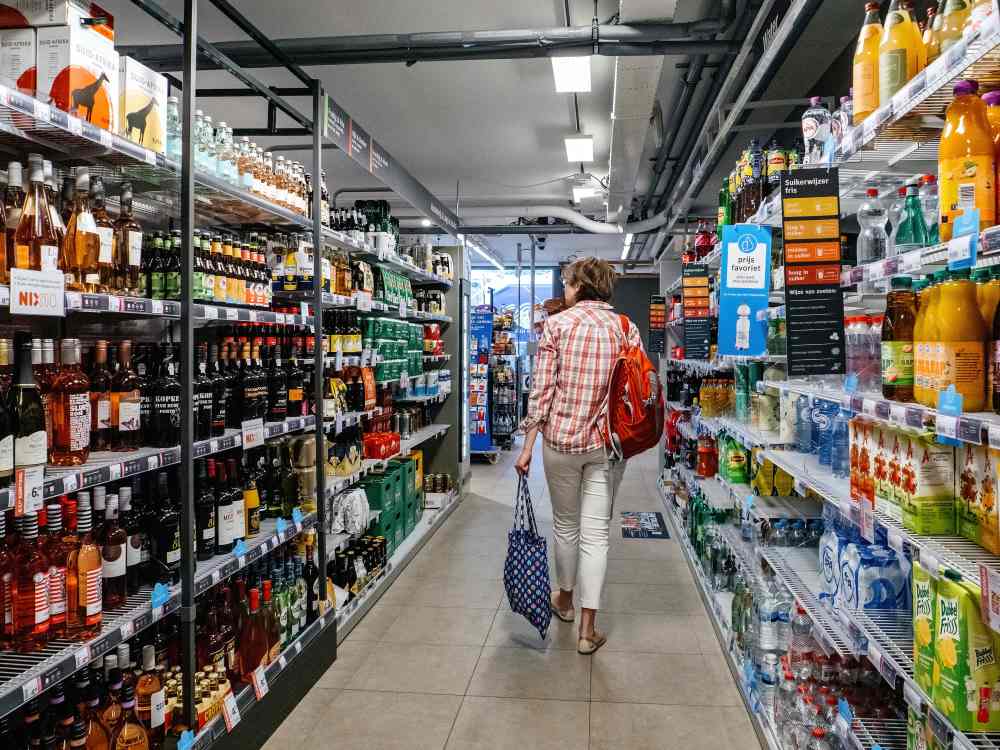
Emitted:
<point x="594" y="277"/>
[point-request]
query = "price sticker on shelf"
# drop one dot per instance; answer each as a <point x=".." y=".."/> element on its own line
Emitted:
<point x="252" y="433"/>
<point x="115" y="472"/>
<point x="993" y="434"/>
<point x="210" y="313"/>
<point x="81" y="657"/>
<point x="363" y="301"/>
<point x="127" y="629"/>
<point x="946" y="426"/>
<point x="71" y="483"/>
<point x="230" y="711"/>
<point x="259" y="682"/>
<point x="869" y="407"/>
<point x="963" y="245"/>
<point x="282" y="662"/>
<point x="298" y="647"/>
<point x="897" y="414"/>
<point x="911" y="261"/>
<point x="232" y="314"/>
<point x="31" y="688"/>
<point x="403" y="311"/>
<point x="28" y="494"/>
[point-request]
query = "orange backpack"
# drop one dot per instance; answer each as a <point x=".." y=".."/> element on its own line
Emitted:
<point x="633" y="420"/>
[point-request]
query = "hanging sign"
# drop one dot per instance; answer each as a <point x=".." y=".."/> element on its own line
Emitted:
<point x="814" y="301"/>
<point x="657" y="324"/>
<point x="746" y="286"/>
<point x="697" y="324"/>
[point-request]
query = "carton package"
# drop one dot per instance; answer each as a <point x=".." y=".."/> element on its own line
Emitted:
<point x="975" y="496"/>
<point x="927" y="485"/>
<point x="17" y="60"/>
<point x="78" y="73"/>
<point x="924" y="602"/>
<point x="142" y="109"/>
<point x="20" y="14"/>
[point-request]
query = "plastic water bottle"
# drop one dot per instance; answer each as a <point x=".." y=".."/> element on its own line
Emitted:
<point x="896" y="212"/>
<point x="803" y="424"/>
<point x="802" y="646"/>
<point x="912" y="233"/>
<point x="840" y="460"/>
<point x="817" y="133"/>
<point x="840" y="123"/>
<point x="873" y="241"/>
<point x="929" y="203"/>
<point x="173" y="145"/>
<point x="783" y="618"/>
<point x="818" y="740"/>
<point x="784" y="699"/>
<point x="824" y="413"/>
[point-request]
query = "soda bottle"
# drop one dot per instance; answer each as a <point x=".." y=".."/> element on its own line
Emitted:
<point x="897" y="210"/>
<point x="817" y="133"/>
<point x="840" y="123"/>
<point x="912" y="233"/>
<point x="929" y="206"/>
<point x="841" y="461"/>
<point x="873" y="240"/>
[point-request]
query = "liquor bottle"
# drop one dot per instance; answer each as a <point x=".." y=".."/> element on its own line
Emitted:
<point x="295" y="379"/>
<point x="219" y="400"/>
<point x="251" y="502"/>
<point x="166" y="537"/>
<point x="13" y="202"/>
<point x="30" y="593"/>
<point x="8" y="421"/>
<point x="227" y="629"/>
<point x="126" y="403"/>
<point x="145" y="356"/>
<point x="271" y="625"/>
<point x="224" y="510"/>
<point x="172" y="268"/>
<point x="128" y="247"/>
<point x="149" y="714"/>
<point x="254" y="649"/>
<point x="56" y="550"/>
<point x="50" y="198"/>
<point x="83" y="577"/>
<point x="36" y="245"/>
<point x="98" y="736"/>
<point x="245" y="388"/>
<point x="155" y="270"/>
<point x="6" y="591"/>
<point x="233" y="395"/>
<point x="70" y="405"/>
<point x="129" y="734"/>
<point x="30" y="444"/>
<point x="277" y="385"/>
<point x="202" y="396"/>
<point x="106" y="232"/>
<point x="81" y="245"/>
<point x="130" y="518"/>
<point x="238" y="502"/>
<point x="204" y="509"/>
<point x="311" y="575"/>
<point x="100" y="399"/>
<point x="166" y="417"/>
<point x="113" y="541"/>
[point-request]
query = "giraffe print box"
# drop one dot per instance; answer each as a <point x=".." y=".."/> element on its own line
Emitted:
<point x="142" y="110"/>
<point x="78" y="72"/>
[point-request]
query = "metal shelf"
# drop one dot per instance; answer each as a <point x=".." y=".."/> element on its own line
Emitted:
<point x="205" y="313"/>
<point x="747" y="435"/>
<point x="433" y="398"/>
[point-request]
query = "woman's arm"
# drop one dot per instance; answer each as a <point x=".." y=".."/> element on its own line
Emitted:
<point x="543" y="391"/>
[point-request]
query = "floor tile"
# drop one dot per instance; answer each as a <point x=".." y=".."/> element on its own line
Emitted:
<point x="660" y="633"/>
<point x="444" y="626"/>
<point x="640" y="598"/>
<point x="515" y="724"/>
<point x="524" y="673"/>
<point x="514" y="631"/>
<point x="387" y="721"/>
<point x="670" y="679"/>
<point x="645" y="549"/>
<point x="438" y="564"/>
<point x="457" y="592"/>
<point x="417" y="669"/>
<point x="350" y="656"/>
<point x="659" y="572"/>
<point x="646" y="727"/>
<point x="299" y="724"/>
<point x="375" y="623"/>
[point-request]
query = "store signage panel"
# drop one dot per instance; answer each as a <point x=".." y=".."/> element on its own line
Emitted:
<point x="697" y="323"/>
<point x="657" y="324"/>
<point x="746" y="286"/>
<point x="814" y="301"/>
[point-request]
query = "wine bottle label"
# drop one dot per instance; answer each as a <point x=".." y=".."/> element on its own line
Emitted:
<point x="8" y="599"/>
<point x="231" y="654"/>
<point x="113" y="560"/>
<point x="49" y="257"/>
<point x="133" y="550"/>
<point x="239" y="520"/>
<point x="30" y="449"/>
<point x="157" y="709"/>
<point x="224" y="524"/>
<point x="7" y="455"/>
<point x="208" y="532"/>
<point x="85" y="222"/>
<point x="13" y="217"/>
<point x="134" y="248"/>
<point x="107" y="235"/>
<point x="129" y="414"/>
<point x="57" y="593"/>
<point x="41" y="584"/>
<point x="90" y="595"/>
<point x="103" y="414"/>
<point x="79" y="421"/>
<point x="174" y="553"/>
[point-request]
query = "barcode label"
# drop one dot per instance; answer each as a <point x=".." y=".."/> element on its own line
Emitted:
<point x="967" y="196"/>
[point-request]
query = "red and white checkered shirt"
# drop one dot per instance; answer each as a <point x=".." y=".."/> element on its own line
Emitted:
<point x="571" y="372"/>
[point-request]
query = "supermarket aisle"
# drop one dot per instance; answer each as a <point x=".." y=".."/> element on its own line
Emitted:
<point x="441" y="661"/>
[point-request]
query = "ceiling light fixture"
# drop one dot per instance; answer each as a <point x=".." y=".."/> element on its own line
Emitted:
<point x="425" y="222"/>
<point x="580" y="148"/>
<point x="628" y="246"/>
<point x="580" y="192"/>
<point x="483" y="252"/>
<point x="572" y="74"/>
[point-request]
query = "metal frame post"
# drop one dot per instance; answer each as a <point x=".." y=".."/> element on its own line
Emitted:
<point x="531" y="334"/>
<point x="318" y="349"/>
<point x="188" y="565"/>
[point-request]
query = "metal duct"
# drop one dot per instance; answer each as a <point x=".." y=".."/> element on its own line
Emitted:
<point x="568" y="214"/>
<point x="610" y="40"/>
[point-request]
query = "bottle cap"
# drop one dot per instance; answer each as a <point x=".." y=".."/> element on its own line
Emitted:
<point x="966" y="87"/>
<point x="992" y="98"/>
<point x="27" y="525"/>
<point x="148" y="657"/>
<point x="124" y="655"/>
<point x="902" y="282"/>
<point x="872" y="192"/>
<point x="53" y="517"/>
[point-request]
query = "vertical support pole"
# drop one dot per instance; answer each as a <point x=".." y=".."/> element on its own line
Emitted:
<point x="531" y="301"/>
<point x="517" y="347"/>
<point x="319" y="348"/>
<point x="188" y="608"/>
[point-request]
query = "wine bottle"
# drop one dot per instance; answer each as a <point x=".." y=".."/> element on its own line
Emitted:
<point x="70" y="406"/>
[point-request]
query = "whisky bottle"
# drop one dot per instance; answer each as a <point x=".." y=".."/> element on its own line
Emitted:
<point x="224" y="511"/>
<point x="295" y="378"/>
<point x="126" y="403"/>
<point x="107" y="249"/>
<point x="129" y="734"/>
<point x="81" y="246"/>
<point x="30" y="444"/>
<point x="166" y="536"/>
<point x="56" y="551"/>
<point x="219" y="394"/>
<point x="235" y="489"/>
<point x="166" y="421"/>
<point x="146" y="356"/>
<point x="202" y="396"/>
<point x="204" y="510"/>
<point x="277" y="384"/>
<point x="234" y="398"/>
<point x="30" y="594"/>
<point x="128" y="247"/>
<point x="83" y="577"/>
<point x="113" y="556"/>
<point x="100" y="399"/>
<point x="36" y="245"/>
<point x="70" y="410"/>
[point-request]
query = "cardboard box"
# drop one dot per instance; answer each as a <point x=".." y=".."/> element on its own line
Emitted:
<point x="142" y="104"/>
<point x="78" y="73"/>
<point x="975" y="495"/>
<point x="19" y="14"/>
<point x="18" y="48"/>
<point x="927" y="485"/>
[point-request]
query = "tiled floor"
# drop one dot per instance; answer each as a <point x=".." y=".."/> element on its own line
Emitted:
<point x="442" y="663"/>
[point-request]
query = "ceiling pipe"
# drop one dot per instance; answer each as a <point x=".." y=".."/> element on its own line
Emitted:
<point x="606" y="39"/>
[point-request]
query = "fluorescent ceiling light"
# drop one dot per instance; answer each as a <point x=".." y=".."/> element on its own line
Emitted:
<point x="583" y="191"/>
<point x="580" y="148"/>
<point x="425" y="222"/>
<point x="628" y="246"/>
<point x="572" y="74"/>
<point x="487" y="256"/>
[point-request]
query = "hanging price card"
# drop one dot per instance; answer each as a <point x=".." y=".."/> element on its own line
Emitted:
<point x="28" y="495"/>
<point x="230" y="711"/>
<point x="989" y="587"/>
<point x="363" y="300"/>
<point x="259" y="682"/>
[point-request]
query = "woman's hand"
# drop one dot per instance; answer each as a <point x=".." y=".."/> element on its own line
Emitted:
<point x="523" y="462"/>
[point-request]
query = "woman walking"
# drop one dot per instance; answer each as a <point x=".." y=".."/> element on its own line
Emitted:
<point x="570" y="385"/>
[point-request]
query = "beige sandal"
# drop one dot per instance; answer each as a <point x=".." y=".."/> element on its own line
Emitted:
<point x="566" y="615"/>
<point x="588" y="646"/>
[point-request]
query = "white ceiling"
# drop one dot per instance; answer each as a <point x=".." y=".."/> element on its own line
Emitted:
<point x="492" y="131"/>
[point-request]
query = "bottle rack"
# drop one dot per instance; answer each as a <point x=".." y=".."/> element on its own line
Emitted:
<point x="182" y="192"/>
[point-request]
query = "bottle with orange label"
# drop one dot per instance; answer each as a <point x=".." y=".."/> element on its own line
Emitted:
<point x="962" y="337"/>
<point x="992" y="101"/>
<point x="900" y="51"/>
<point x="866" y="65"/>
<point x="966" y="161"/>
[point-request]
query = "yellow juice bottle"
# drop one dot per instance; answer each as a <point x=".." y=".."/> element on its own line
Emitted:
<point x="921" y="287"/>
<point x="966" y="161"/>
<point x="980" y="12"/>
<point x="899" y="51"/>
<point x="921" y="48"/>
<point x="866" y="88"/>
<point x="931" y="43"/>
<point x="956" y="13"/>
<point x="963" y="336"/>
<point x="934" y="349"/>
<point x="992" y="101"/>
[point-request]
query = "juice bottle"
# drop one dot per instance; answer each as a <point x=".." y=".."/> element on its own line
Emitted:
<point x="980" y="12"/>
<point x="993" y="361"/>
<point x="931" y="43"/>
<point x="899" y="52"/>
<point x="963" y="335"/>
<point x="921" y="47"/>
<point x="866" y="88"/>
<point x="966" y="161"/>
<point x="992" y="101"/>
<point x="920" y="290"/>
<point x="897" y="340"/>
<point x="927" y="343"/>
<point x="953" y="18"/>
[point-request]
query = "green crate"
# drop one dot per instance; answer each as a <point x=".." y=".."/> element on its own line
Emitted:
<point x="407" y="469"/>
<point x="399" y="530"/>
<point x="382" y="489"/>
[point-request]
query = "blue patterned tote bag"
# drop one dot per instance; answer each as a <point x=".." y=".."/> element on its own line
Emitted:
<point x="526" y="571"/>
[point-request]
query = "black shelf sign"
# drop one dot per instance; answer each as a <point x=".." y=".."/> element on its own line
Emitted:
<point x="657" y="324"/>
<point x="697" y="323"/>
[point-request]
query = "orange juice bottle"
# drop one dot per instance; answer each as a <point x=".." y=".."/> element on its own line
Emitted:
<point x="956" y="13"/>
<point x="966" y="161"/>
<point x="866" y="65"/>
<point x="981" y="10"/>
<point x="931" y="43"/>
<point x="992" y="101"/>
<point x="921" y="48"/>
<point x="933" y="348"/>
<point x="899" y="51"/>
<point x="987" y="294"/>
<point x="922" y="288"/>
<point x="962" y="335"/>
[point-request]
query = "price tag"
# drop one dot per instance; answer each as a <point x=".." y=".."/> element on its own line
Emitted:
<point x="28" y="494"/>
<point x="230" y="711"/>
<point x="403" y="312"/>
<point x="210" y="313"/>
<point x="876" y="271"/>
<point x="105" y="137"/>
<point x="38" y="292"/>
<point x="279" y="527"/>
<point x="911" y="261"/>
<point x="114" y="304"/>
<point x="232" y="314"/>
<point x="993" y="431"/>
<point x="127" y="629"/>
<point x="946" y="426"/>
<point x="897" y="414"/>
<point x="298" y="647"/>
<point x="70" y="483"/>
<point x="252" y="433"/>
<point x="31" y="688"/>
<point x="867" y="522"/>
<point x="960" y="249"/>
<point x="930" y="563"/>
<point x="259" y="682"/>
<point x="74" y="125"/>
<point x="282" y="662"/>
<point x="82" y="657"/>
<point x="115" y="471"/>
<point x="216" y="576"/>
<point x="363" y="301"/>
<point x="869" y="407"/>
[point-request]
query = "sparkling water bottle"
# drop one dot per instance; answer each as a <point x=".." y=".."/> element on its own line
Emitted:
<point x="817" y="133"/>
<point x="897" y="209"/>
<point x="841" y="458"/>
<point x="802" y="646"/>
<point x="873" y="240"/>
<point x="929" y="204"/>
<point x="803" y="424"/>
<point x="840" y="123"/>
<point x="173" y="145"/>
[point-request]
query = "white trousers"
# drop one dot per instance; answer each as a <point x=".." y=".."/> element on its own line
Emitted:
<point x="582" y="487"/>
